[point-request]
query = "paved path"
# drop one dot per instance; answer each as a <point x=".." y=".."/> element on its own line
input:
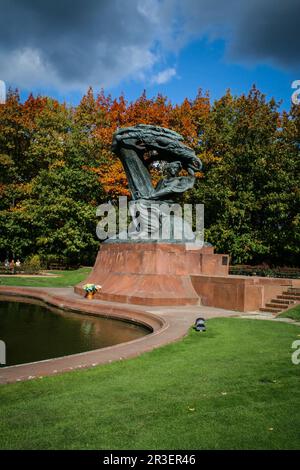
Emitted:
<point x="169" y="324"/>
<point x="268" y="316"/>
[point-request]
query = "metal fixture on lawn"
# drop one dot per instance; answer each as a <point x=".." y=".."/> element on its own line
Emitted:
<point x="200" y="324"/>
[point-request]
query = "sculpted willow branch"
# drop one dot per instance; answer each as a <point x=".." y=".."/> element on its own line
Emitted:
<point x="131" y="144"/>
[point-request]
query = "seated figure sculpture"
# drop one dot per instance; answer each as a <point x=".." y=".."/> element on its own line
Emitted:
<point x="173" y="184"/>
<point x="140" y="146"/>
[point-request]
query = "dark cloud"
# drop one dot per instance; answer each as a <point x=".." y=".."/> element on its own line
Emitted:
<point x="265" y="31"/>
<point x="74" y="43"/>
<point x="269" y="31"/>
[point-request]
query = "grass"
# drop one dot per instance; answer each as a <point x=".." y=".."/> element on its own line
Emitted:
<point x="233" y="387"/>
<point x="65" y="279"/>
<point x="293" y="313"/>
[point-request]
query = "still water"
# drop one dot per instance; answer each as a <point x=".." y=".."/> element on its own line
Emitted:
<point x="33" y="332"/>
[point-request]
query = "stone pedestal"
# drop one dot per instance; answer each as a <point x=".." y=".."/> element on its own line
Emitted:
<point x="153" y="273"/>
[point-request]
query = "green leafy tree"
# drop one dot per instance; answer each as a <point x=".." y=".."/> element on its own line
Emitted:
<point x="251" y="184"/>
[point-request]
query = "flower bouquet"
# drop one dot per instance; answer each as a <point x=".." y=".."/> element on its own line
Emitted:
<point x="90" y="290"/>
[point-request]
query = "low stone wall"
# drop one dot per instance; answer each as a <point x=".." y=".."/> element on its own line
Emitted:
<point x="168" y="324"/>
<point x="64" y="298"/>
<point x="240" y="293"/>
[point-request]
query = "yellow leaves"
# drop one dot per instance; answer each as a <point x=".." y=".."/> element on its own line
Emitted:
<point x="6" y="160"/>
<point x="57" y="164"/>
<point x="18" y="208"/>
<point x="42" y="241"/>
<point x="27" y="187"/>
<point x="210" y="157"/>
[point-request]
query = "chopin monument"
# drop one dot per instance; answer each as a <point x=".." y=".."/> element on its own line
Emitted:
<point x="153" y="262"/>
<point x="140" y="146"/>
<point x="155" y="205"/>
<point x="131" y="144"/>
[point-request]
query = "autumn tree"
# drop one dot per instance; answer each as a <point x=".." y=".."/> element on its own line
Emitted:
<point x="251" y="180"/>
<point x="53" y="209"/>
<point x="56" y="166"/>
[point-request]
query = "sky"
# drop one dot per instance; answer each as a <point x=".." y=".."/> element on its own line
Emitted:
<point x="174" y="47"/>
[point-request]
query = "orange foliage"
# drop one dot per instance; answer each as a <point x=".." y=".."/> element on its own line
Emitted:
<point x="101" y="116"/>
<point x="185" y="119"/>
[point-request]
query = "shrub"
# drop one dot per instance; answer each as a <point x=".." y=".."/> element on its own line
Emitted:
<point x="32" y="264"/>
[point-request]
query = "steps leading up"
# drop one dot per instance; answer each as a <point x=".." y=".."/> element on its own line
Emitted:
<point x="270" y="309"/>
<point x="283" y="301"/>
<point x="292" y="295"/>
<point x="289" y="297"/>
<point x="276" y="305"/>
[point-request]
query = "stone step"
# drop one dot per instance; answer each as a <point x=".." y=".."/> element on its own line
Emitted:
<point x="270" y="309"/>
<point x="277" y="305"/>
<point x="283" y="301"/>
<point x="293" y="293"/>
<point x="287" y="295"/>
<point x="295" y="290"/>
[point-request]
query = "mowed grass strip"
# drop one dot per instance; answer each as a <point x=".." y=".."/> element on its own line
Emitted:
<point x="233" y="387"/>
<point x="293" y="313"/>
<point x="63" y="279"/>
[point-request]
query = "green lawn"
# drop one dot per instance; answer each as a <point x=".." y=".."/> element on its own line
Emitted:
<point x="233" y="387"/>
<point x="65" y="279"/>
<point x="293" y="313"/>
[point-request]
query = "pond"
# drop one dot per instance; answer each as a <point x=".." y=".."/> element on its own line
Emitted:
<point x="34" y="332"/>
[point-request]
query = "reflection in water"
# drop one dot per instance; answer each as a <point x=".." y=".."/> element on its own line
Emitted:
<point x="34" y="333"/>
<point x="86" y="328"/>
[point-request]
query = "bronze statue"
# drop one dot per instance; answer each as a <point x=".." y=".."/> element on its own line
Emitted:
<point x="131" y="144"/>
<point x="140" y="146"/>
<point x="173" y="184"/>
